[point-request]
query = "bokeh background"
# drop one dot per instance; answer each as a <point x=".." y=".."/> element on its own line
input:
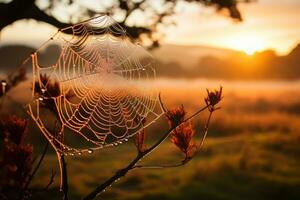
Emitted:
<point x="251" y="48"/>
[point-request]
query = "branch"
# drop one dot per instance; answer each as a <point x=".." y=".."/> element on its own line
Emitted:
<point x="51" y="180"/>
<point x="65" y="186"/>
<point x="13" y="11"/>
<point x="186" y="160"/>
<point x="20" y="9"/>
<point x="205" y="129"/>
<point x="161" y="166"/>
<point x="172" y="129"/>
<point x="124" y="6"/>
<point x="36" y="167"/>
<point x="122" y="172"/>
<point x="35" y="13"/>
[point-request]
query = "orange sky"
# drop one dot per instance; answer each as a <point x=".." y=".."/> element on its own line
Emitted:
<point x="267" y="24"/>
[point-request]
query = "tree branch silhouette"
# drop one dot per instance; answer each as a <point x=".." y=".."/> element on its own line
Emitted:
<point x="20" y="9"/>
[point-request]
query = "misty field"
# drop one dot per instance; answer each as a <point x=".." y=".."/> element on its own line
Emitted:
<point x="252" y="150"/>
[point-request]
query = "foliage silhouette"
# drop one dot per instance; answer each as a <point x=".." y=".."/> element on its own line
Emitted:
<point x="19" y="9"/>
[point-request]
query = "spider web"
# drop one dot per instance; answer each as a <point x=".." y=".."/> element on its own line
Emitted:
<point x="105" y="91"/>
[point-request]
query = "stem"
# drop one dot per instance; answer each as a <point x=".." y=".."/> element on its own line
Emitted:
<point x="36" y="167"/>
<point x="185" y="161"/>
<point x="65" y="186"/>
<point x="160" y="166"/>
<point x="122" y="172"/>
<point x="51" y="180"/>
<point x="205" y="129"/>
<point x="166" y="135"/>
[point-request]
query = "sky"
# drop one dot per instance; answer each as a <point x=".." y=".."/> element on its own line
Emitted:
<point x="268" y="24"/>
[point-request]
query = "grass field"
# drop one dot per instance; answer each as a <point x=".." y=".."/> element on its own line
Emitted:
<point x="252" y="152"/>
<point x="260" y="166"/>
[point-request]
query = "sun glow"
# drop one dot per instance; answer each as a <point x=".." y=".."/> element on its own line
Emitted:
<point x="249" y="44"/>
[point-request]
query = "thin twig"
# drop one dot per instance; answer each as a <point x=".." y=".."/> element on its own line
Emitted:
<point x="185" y="161"/>
<point x="159" y="166"/>
<point x="36" y="167"/>
<point x="166" y="135"/>
<point x="205" y="130"/>
<point x="51" y="180"/>
<point x="161" y="103"/>
<point x="122" y="172"/>
<point x="65" y="186"/>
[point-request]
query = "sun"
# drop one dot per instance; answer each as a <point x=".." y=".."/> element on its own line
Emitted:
<point x="250" y="47"/>
<point x="247" y="43"/>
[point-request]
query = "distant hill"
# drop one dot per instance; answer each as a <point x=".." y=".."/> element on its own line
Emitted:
<point x="238" y="65"/>
<point x="188" y="55"/>
<point x="12" y="56"/>
<point x="177" y="61"/>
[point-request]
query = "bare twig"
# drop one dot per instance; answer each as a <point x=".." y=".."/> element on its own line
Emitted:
<point x="65" y="186"/>
<point x="166" y="135"/>
<point x="186" y="160"/>
<point x="161" y="103"/>
<point x="161" y="166"/>
<point x="205" y="129"/>
<point x="51" y="180"/>
<point x="35" y="169"/>
<point x="122" y="172"/>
